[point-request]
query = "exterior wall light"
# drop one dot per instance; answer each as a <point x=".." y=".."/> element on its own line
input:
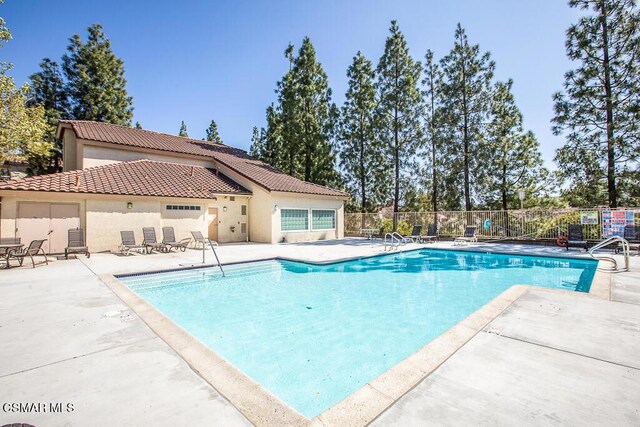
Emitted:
<point x="224" y="209"/>
<point x="129" y="205"/>
<point x="275" y="207"/>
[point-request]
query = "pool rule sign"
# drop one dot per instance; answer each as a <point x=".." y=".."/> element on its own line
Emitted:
<point x="613" y="222"/>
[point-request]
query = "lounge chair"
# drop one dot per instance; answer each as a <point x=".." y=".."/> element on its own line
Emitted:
<point x="631" y="235"/>
<point x="469" y="236"/>
<point x="199" y="239"/>
<point x="575" y="239"/>
<point x="30" y="251"/>
<point x="150" y="241"/>
<point x="75" y="243"/>
<point x="415" y="234"/>
<point x="169" y="239"/>
<point x="432" y="234"/>
<point x="129" y="243"/>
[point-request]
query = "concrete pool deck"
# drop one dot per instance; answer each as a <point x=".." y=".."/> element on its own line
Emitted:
<point x="73" y="341"/>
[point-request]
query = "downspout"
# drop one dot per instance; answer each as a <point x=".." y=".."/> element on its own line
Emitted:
<point x="248" y="220"/>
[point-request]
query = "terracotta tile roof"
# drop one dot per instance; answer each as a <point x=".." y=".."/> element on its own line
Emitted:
<point x="134" y="178"/>
<point x="259" y="172"/>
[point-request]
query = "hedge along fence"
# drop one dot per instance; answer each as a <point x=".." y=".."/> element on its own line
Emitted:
<point x="515" y="224"/>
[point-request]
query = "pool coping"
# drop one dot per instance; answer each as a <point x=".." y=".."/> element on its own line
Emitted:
<point x="364" y="405"/>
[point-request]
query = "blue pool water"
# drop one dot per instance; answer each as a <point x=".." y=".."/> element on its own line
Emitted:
<point x="312" y="335"/>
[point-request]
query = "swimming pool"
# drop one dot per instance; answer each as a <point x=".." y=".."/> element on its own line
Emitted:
<point x="312" y="335"/>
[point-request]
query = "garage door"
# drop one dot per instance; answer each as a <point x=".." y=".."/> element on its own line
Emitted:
<point x="49" y="221"/>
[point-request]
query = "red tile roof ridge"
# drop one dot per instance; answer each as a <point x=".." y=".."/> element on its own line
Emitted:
<point x="215" y="144"/>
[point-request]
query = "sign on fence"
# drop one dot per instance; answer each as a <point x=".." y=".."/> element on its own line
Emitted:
<point x="589" y="217"/>
<point x="613" y="222"/>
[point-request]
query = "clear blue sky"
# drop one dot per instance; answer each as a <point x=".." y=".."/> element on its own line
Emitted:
<point x="198" y="60"/>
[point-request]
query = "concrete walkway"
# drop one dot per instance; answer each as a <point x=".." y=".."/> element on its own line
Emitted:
<point x="66" y="338"/>
<point x="549" y="359"/>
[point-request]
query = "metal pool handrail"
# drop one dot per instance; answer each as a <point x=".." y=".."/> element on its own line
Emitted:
<point x="607" y="242"/>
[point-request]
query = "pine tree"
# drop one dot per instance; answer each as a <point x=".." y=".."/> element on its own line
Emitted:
<point x="96" y="86"/>
<point x="300" y="128"/>
<point x="257" y="148"/>
<point x="433" y="108"/>
<point x="138" y="125"/>
<point x="48" y="90"/>
<point x="315" y="117"/>
<point x="361" y="154"/>
<point x="212" y="133"/>
<point x="466" y="90"/>
<point x="183" y="130"/>
<point x="274" y="153"/>
<point x="514" y="160"/>
<point x="399" y="108"/>
<point x="599" y="108"/>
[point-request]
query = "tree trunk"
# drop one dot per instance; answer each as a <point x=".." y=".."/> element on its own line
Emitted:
<point x="396" y="154"/>
<point x="307" y="158"/>
<point x="504" y="188"/>
<point x="611" y="155"/>
<point x="363" y="187"/>
<point x="465" y="138"/>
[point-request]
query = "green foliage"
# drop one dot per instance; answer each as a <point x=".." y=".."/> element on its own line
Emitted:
<point x="5" y="33"/>
<point x="362" y="155"/>
<point x="466" y="94"/>
<point x="48" y="90"/>
<point x="513" y="160"/>
<point x="598" y="110"/>
<point x="212" y="133"/>
<point x="96" y="86"/>
<point x="300" y="128"/>
<point x="22" y="127"/>
<point x="399" y="107"/>
<point x="403" y="226"/>
<point x="183" y="130"/>
<point x="138" y="125"/>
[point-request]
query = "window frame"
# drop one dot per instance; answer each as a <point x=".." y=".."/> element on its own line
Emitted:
<point x="335" y="219"/>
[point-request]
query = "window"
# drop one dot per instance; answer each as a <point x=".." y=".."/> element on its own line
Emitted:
<point x="294" y="219"/>
<point x="323" y="219"/>
<point x="243" y="228"/>
<point x="244" y="210"/>
<point x="182" y="208"/>
<point x="232" y="199"/>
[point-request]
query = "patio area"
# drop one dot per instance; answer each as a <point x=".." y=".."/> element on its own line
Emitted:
<point x="548" y="358"/>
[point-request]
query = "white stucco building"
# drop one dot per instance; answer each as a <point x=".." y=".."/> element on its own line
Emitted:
<point x="118" y="178"/>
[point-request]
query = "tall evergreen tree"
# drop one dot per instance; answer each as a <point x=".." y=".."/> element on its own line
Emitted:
<point x="361" y="155"/>
<point x="433" y="110"/>
<point x="257" y="148"/>
<point x="138" y="125"/>
<point x="274" y="153"/>
<point x="183" y="130"/>
<point x="599" y="108"/>
<point x="466" y="91"/>
<point x="48" y="90"/>
<point x="96" y="86"/>
<point x="514" y="160"/>
<point x="315" y="117"/>
<point x="212" y="133"/>
<point x="300" y="128"/>
<point x="399" y="107"/>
